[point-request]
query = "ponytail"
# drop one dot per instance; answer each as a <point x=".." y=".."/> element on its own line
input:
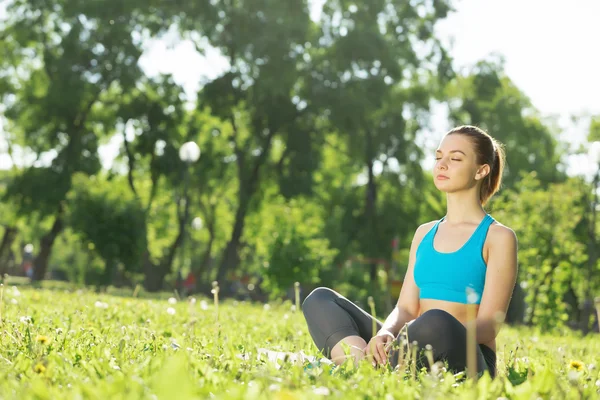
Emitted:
<point x="492" y="182"/>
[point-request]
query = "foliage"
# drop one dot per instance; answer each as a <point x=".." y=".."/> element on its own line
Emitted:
<point x="552" y="255"/>
<point x="297" y="250"/>
<point x="77" y="344"/>
<point x="108" y="216"/>
<point x="488" y="98"/>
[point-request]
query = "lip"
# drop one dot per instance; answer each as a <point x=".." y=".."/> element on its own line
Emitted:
<point x="441" y="177"/>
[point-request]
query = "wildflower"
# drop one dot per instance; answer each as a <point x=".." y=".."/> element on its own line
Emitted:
<point x="573" y="376"/>
<point x="26" y="319"/>
<point x="267" y="307"/>
<point x="39" y="368"/>
<point x="192" y="300"/>
<point x="100" y="304"/>
<point x="204" y="305"/>
<point x="172" y="300"/>
<point x="576" y="365"/>
<point x="171" y="311"/>
<point x="42" y="339"/>
<point x="323" y="391"/>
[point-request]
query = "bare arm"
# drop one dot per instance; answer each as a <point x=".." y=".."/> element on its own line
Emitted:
<point x="499" y="283"/>
<point x="407" y="307"/>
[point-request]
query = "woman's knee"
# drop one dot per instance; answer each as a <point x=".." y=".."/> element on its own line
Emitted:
<point x="316" y="298"/>
<point x="439" y="318"/>
<point x="435" y="326"/>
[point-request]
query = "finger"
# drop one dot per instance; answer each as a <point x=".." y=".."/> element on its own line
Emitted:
<point x="382" y="353"/>
<point x="375" y="353"/>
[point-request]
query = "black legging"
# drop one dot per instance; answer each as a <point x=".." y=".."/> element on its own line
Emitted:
<point x="331" y="317"/>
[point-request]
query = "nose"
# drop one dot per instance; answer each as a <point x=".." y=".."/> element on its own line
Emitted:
<point x="441" y="164"/>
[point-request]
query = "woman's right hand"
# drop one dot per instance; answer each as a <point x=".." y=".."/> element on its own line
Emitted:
<point x="378" y="347"/>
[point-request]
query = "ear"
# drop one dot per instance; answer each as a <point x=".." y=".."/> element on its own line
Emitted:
<point x="482" y="172"/>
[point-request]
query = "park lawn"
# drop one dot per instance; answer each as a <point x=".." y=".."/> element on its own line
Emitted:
<point x="74" y="344"/>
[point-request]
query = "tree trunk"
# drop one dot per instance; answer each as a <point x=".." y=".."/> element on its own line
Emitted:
<point x="41" y="261"/>
<point x="247" y="188"/>
<point x="154" y="276"/>
<point x="371" y="213"/>
<point x="231" y="258"/>
<point x="371" y="208"/>
<point x="10" y="233"/>
<point x="207" y="254"/>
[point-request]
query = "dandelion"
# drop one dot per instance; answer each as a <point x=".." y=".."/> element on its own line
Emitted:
<point x="576" y="365"/>
<point x="59" y="331"/>
<point x="42" y="339"/>
<point x="172" y="300"/>
<point x="25" y="319"/>
<point x="573" y="376"/>
<point x="267" y="307"/>
<point x="204" y="305"/>
<point x="192" y="300"/>
<point x="171" y="311"/>
<point x="323" y="391"/>
<point x="39" y="368"/>
<point x="100" y="304"/>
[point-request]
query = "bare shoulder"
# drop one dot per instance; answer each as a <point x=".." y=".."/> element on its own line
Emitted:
<point x="502" y="235"/>
<point x="422" y="230"/>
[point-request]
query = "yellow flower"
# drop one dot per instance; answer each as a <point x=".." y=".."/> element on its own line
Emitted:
<point x="42" y="339"/>
<point x="39" y="368"/>
<point x="576" y="365"/>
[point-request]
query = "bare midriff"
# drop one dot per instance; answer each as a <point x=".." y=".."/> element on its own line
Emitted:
<point x="457" y="310"/>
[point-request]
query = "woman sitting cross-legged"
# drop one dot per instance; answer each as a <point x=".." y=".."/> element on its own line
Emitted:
<point x="465" y="250"/>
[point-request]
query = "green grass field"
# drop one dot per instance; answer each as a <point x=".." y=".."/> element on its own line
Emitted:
<point x="76" y="344"/>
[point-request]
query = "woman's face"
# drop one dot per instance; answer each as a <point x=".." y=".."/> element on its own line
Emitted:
<point x="456" y="166"/>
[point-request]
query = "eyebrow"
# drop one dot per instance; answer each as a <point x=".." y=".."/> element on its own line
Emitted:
<point x="452" y="151"/>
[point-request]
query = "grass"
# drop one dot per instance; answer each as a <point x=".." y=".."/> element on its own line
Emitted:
<point x="74" y="344"/>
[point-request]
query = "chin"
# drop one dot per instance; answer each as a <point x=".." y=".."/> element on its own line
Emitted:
<point x="447" y="186"/>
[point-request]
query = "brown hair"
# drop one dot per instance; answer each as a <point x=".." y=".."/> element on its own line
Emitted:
<point x="489" y="151"/>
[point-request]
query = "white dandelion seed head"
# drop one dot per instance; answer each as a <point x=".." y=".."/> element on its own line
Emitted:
<point x="204" y="305"/>
<point x="100" y="304"/>
<point x="171" y="311"/>
<point x="172" y="300"/>
<point x="573" y="376"/>
<point x="267" y="307"/>
<point x="322" y="391"/>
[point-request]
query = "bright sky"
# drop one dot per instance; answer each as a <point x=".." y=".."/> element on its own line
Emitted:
<point x="548" y="47"/>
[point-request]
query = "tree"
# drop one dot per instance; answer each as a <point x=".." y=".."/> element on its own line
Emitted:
<point x="264" y="43"/>
<point x="550" y="226"/>
<point x="374" y="69"/>
<point x="65" y="56"/>
<point x="106" y="214"/>
<point x="486" y="97"/>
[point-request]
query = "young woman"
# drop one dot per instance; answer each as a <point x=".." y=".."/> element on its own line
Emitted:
<point x="466" y="251"/>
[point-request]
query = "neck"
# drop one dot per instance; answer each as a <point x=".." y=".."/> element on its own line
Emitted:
<point x="464" y="207"/>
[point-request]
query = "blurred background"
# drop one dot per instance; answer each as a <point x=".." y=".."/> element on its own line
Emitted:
<point x="163" y="145"/>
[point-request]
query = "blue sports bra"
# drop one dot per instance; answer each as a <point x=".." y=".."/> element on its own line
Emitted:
<point x="451" y="276"/>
